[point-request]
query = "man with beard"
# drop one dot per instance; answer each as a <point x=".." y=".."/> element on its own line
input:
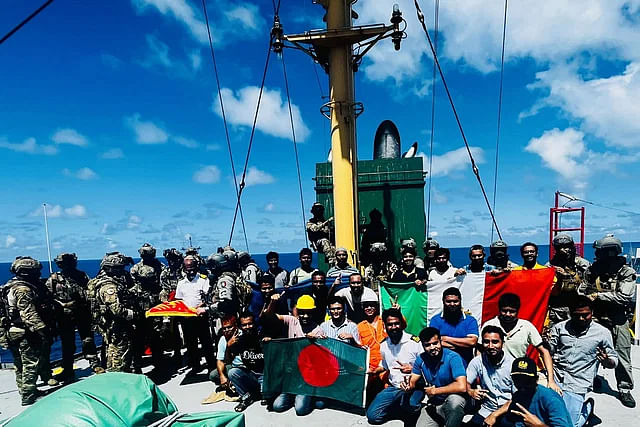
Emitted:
<point x="247" y="379"/>
<point x="499" y="258"/>
<point x="446" y="382"/>
<point x="519" y="334"/>
<point x="443" y="270"/>
<point x="303" y="272"/>
<point x="410" y="272"/>
<point x="342" y="267"/>
<point x="298" y="326"/>
<point x="169" y="279"/>
<point x="531" y="404"/>
<point x="372" y="333"/>
<point x="279" y="274"/>
<point x="459" y="331"/>
<point x="353" y="295"/>
<point x="578" y="346"/>
<point x="570" y="273"/>
<point x="191" y="290"/>
<point x="320" y="293"/>
<point x="69" y="290"/>
<point x="398" y="354"/>
<point x="491" y="372"/>
<point x="611" y="285"/>
<point x="529" y="253"/>
<point x="338" y="326"/>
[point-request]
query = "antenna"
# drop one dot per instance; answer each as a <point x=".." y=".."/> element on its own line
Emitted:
<point x="46" y="231"/>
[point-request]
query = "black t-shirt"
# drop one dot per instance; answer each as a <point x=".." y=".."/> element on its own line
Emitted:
<point x="417" y="274"/>
<point x="249" y="348"/>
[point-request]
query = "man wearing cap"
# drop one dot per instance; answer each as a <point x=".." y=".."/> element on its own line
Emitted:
<point x="443" y="371"/>
<point x="578" y="346"/>
<point x="529" y="253"/>
<point x="342" y="267"/>
<point x="398" y="354"/>
<point x="372" y="333"/>
<point x="297" y="327"/>
<point x="611" y="284"/>
<point x="531" y="404"/>
<point x="353" y="295"/>
<point x="499" y="258"/>
<point x="570" y="272"/>
<point x="319" y="233"/>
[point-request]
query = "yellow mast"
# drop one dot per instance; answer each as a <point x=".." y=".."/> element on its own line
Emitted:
<point x="334" y="50"/>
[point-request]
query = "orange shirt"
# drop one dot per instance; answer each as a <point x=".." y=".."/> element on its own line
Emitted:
<point x="371" y="337"/>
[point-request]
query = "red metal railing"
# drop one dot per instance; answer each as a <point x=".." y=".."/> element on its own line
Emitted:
<point x="555" y="226"/>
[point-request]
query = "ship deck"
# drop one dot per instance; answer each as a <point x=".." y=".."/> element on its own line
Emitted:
<point x="188" y="392"/>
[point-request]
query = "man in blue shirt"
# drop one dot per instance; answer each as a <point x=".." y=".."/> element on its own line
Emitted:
<point x="459" y="331"/>
<point x="532" y="404"/>
<point x="444" y="373"/>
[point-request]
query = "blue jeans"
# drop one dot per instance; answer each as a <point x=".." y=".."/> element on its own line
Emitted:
<point x="246" y="381"/>
<point x="578" y="411"/>
<point x="303" y="404"/>
<point x="393" y="403"/>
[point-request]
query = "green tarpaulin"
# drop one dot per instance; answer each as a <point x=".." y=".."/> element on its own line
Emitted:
<point x="413" y="302"/>
<point x="111" y="399"/>
<point x="325" y="368"/>
<point x="207" y="419"/>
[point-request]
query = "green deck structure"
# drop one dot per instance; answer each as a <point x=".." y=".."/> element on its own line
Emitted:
<point x="393" y="186"/>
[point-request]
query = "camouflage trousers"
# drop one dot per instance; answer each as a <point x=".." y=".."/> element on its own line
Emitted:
<point x="325" y="247"/>
<point x="26" y="350"/>
<point x="119" y="349"/>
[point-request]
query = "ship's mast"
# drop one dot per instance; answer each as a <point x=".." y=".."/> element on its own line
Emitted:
<point x="334" y="50"/>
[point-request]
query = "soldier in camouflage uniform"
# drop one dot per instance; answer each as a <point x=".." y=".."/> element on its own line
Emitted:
<point x="320" y="234"/>
<point x="381" y="268"/>
<point x="146" y="293"/>
<point x="250" y="270"/>
<point x="69" y="290"/>
<point x="27" y="331"/>
<point x="570" y="272"/>
<point x="114" y="310"/>
<point x="410" y="243"/>
<point x="148" y="257"/>
<point x="169" y="279"/>
<point x="611" y="284"/>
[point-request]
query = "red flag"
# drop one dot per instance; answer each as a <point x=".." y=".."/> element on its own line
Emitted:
<point x="171" y="308"/>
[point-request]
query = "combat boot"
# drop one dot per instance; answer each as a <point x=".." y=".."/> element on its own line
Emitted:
<point x="626" y="399"/>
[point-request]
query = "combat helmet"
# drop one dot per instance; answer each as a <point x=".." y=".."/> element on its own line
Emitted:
<point x="231" y="259"/>
<point x="25" y="266"/>
<point x="317" y="207"/>
<point x="430" y="243"/>
<point x="147" y="250"/>
<point x="172" y="254"/>
<point x="66" y="258"/>
<point x="243" y="257"/>
<point x="115" y="260"/>
<point x="215" y="261"/>
<point x="562" y="239"/>
<point x="378" y="247"/>
<point x="408" y="243"/>
<point x="146" y="273"/>
<point x="607" y="242"/>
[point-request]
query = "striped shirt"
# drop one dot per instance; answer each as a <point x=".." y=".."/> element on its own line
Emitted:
<point x="332" y="331"/>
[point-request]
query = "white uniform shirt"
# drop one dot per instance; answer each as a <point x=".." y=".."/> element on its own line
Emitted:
<point x="353" y="302"/>
<point x="436" y="276"/>
<point x="190" y="290"/>
<point x="406" y="351"/>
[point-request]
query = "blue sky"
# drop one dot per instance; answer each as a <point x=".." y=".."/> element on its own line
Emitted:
<point x="109" y="114"/>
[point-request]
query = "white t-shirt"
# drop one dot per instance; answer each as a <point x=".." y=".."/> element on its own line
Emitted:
<point x="516" y="341"/>
<point x="190" y="290"/>
<point x="435" y="275"/>
<point x="347" y="295"/>
<point x="406" y="351"/>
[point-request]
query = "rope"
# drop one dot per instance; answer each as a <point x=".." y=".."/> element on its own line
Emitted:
<point x="495" y="176"/>
<point x="295" y="150"/>
<point x="25" y="21"/>
<point x="253" y="132"/>
<point x="433" y="113"/>
<point x="474" y="167"/>
<point x="226" y="128"/>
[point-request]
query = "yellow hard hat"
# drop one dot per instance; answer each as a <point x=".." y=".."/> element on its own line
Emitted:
<point x="306" y="302"/>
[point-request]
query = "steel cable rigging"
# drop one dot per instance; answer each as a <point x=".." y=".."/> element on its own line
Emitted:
<point x="25" y="21"/>
<point x="433" y="111"/>
<point x="474" y="167"/>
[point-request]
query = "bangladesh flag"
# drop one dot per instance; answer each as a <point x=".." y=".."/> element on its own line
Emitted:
<point x="325" y="368"/>
<point x="480" y="294"/>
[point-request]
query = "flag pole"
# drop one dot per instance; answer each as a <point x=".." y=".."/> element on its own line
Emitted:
<point x="46" y="231"/>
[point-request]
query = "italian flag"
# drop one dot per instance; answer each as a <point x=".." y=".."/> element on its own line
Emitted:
<point x="325" y="368"/>
<point x="480" y="294"/>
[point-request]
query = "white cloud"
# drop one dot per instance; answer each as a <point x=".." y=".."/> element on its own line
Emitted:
<point x="452" y="161"/>
<point x="196" y="59"/>
<point x="566" y="153"/>
<point x="112" y="153"/>
<point x="238" y="19"/>
<point x="256" y="177"/>
<point x="607" y="107"/>
<point x="159" y="52"/>
<point x="58" y="211"/>
<point x="146" y="132"/>
<point x="269" y="207"/>
<point x="213" y="147"/>
<point x="134" y="221"/>
<point x="273" y="118"/>
<point x="185" y="142"/>
<point x="84" y="174"/>
<point x="29" y="146"/>
<point x="207" y="175"/>
<point x="69" y="136"/>
<point x="9" y="241"/>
